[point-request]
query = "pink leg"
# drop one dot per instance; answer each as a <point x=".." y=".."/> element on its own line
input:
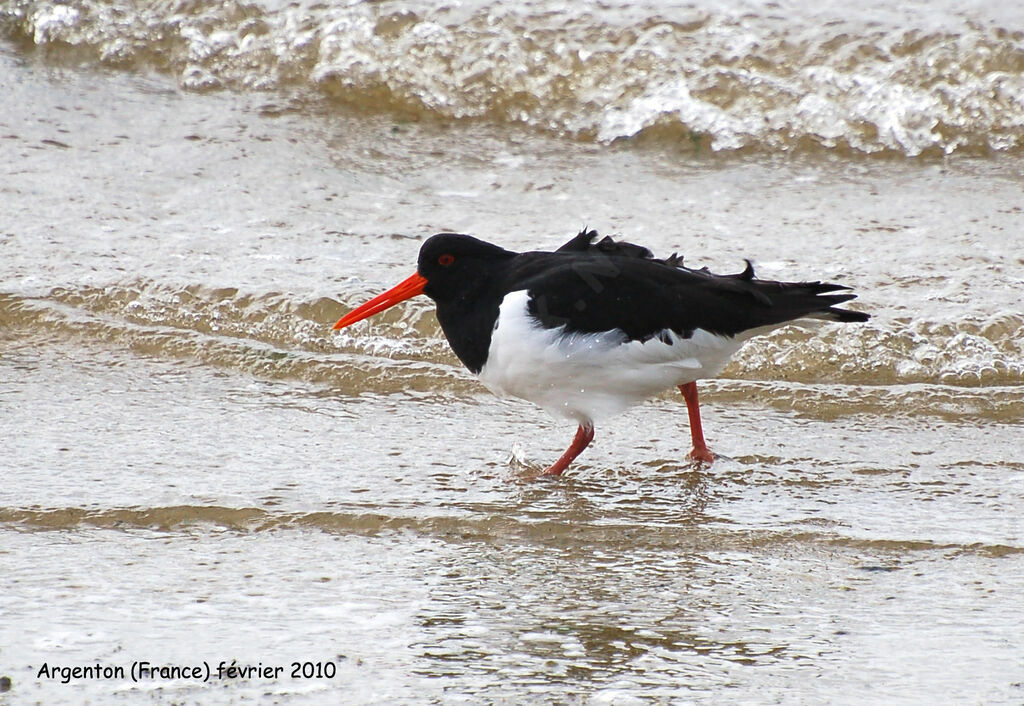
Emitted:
<point x="700" y="451"/>
<point x="584" y="435"/>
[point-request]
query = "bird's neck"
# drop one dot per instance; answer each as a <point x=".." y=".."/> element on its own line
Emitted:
<point x="468" y="322"/>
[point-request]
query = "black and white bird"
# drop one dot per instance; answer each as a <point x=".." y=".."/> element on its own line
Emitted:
<point x="596" y="327"/>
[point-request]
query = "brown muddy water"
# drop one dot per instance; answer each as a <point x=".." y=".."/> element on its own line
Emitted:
<point x="196" y="470"/>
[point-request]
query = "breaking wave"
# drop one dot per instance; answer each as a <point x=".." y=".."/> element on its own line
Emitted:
<point x="926" y="78"/>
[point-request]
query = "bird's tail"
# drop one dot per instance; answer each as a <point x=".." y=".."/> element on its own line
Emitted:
<point x="796" y="300"/>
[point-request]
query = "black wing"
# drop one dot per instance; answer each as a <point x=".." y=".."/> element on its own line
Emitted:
<point x="588" y="289"/>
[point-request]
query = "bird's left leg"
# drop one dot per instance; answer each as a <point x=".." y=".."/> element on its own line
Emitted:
<point x="584" y="435"/>
<point x="700" y="452"/>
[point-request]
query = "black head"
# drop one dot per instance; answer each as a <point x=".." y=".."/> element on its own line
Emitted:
<point x="454" y="264"/>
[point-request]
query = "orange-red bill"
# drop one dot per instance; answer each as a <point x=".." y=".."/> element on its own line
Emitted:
<point x="399" y="293"/>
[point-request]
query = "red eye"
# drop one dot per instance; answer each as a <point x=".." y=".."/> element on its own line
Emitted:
<point x="445" y="260"/>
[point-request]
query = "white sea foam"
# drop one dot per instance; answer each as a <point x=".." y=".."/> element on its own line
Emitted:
<point x="935" y="78"/>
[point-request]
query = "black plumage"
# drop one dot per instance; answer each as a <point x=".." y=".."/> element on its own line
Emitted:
<point x="589" y="287"/>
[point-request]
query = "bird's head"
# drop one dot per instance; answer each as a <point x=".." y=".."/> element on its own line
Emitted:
<point x="448" y="264"/>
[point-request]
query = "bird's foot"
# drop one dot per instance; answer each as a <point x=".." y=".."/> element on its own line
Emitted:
<point x="701" y="456"/>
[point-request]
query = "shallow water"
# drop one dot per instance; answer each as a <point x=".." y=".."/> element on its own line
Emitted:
<point x="196" y="468"/>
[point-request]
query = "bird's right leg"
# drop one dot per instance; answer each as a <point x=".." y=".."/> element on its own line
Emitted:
<point x="700" y="452"/>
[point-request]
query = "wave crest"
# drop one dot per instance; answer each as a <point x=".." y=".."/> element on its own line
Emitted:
<point x="705" y="77"/>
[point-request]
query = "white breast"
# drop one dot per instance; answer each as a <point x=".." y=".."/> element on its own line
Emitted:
<point x="588" y="377"/>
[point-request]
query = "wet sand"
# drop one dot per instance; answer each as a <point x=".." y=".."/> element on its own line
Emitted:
<point x="197" y="469"/>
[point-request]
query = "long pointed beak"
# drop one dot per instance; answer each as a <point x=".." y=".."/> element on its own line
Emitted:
<point x="399" y="293"/>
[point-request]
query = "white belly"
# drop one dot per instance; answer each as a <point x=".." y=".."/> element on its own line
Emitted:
<point x="588" y="377"/>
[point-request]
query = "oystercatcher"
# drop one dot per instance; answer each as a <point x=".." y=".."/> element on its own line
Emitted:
<point x="593" y="328"/>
